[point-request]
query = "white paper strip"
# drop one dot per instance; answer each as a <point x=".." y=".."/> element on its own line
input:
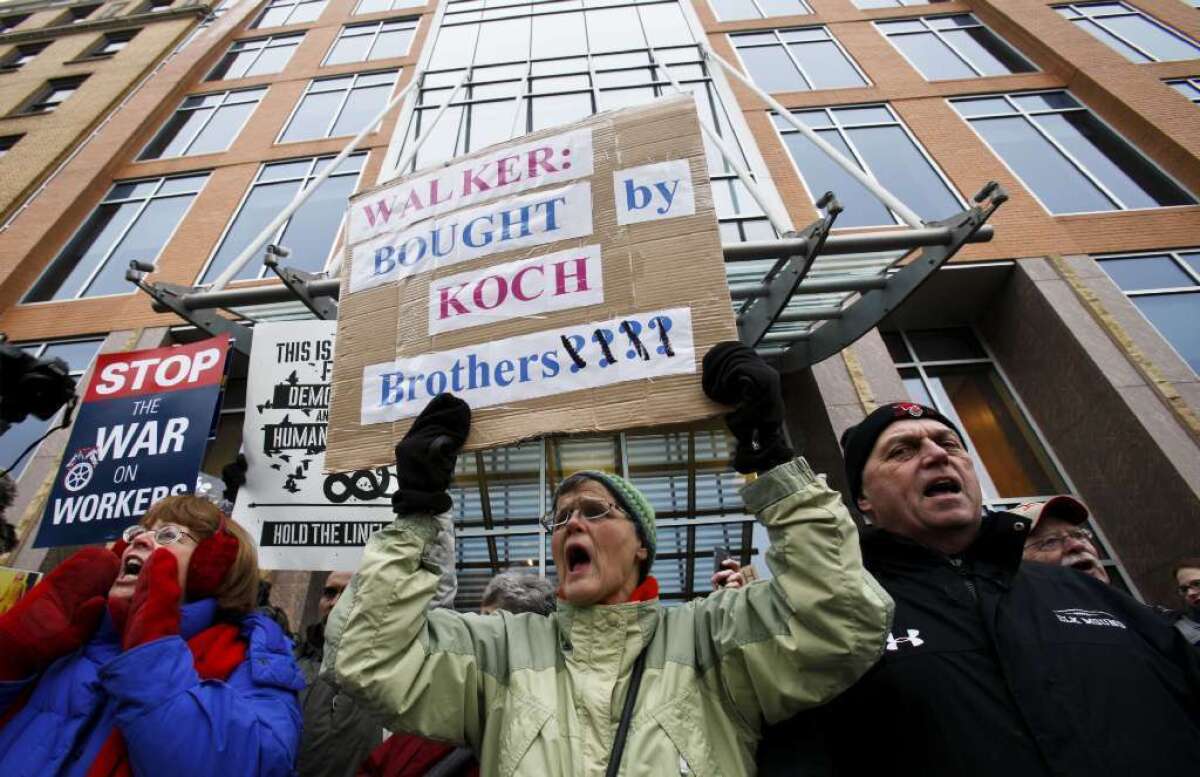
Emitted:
<point x="575" y="357"/>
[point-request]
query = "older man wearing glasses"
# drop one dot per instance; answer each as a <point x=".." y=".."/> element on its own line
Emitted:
<point x="1059" y="537"/>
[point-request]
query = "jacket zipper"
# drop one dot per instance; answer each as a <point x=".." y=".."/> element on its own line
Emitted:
<point x="957" y="563"/>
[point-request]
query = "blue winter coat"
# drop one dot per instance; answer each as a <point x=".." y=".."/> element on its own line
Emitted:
<point x="173" y="722"/>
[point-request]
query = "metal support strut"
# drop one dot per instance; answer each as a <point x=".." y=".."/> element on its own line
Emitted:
<point x="172" y="297"/>
<point x="297" y="282"/>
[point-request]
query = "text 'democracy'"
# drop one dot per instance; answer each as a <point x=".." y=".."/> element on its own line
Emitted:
<point x="575" y="357"/>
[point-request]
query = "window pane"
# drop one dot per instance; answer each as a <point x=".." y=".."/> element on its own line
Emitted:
<point x="144" y="242"/>
<point x="987" y="52"/>
<point x="821" y="174"/>
<point x="311" y="232"/>
<point x="1047" y="173"/>
<point x="362" y="106"/>
<point x="1151" y="38"/>
<point x="772" y="69"/>
<point x="1124" y="171"/>
<point x="897" y="164"/>
<point x="311" y="119"/>
<point x="1112" y="41"/>
<point x="664" y="25"/>
<point x="392" y="43"/>
<point x="455" y="47"/>
<point x="81" y="257"/>
<point x="614" y="29"/>
<point x="272" y="60"/>
<point x="349" y="49"/>
<point x="504" y="41"/>
<point x="173" y="138"/>
<point x="560" y="109"/>
<point x="1193" y="261"/>
<point x="996" y="431"/>
<point x="233" y="65"/>
<point x="491" y="122"/>
<point x="558" y="35"/>
<point x="783" y="7"/>
<point x="933" y="345"/>
<point x="1175" y="317"/>
<point x="77" y="355"/>
<point x="1146" y="272"/>
<point x="445" y="142"/>
<point x="931" y="57"/>
<point x="221" y="131"/>
<point x="896" y="347"/>
<point x="730" y="10"/>
<point x="826" y="65"/>
<point x="264" y="202"/>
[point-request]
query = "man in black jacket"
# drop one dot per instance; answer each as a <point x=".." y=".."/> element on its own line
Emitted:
<point x="992" y="668"/>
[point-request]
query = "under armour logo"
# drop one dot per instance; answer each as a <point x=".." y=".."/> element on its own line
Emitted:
<point x="913" y="640"/>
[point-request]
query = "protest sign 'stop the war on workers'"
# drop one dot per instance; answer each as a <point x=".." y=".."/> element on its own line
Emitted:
<point x="567" y="281"/>
<point x="140" y="435"/>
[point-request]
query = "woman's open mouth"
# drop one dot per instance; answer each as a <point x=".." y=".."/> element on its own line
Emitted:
<point x="579" y="560"/>
<point x="131" y="568"/>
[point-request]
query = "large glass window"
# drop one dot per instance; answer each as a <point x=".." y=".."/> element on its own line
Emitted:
<point x="204" y="124"/>
<point x="339" y="106"/>
<point x="311" y="230"/>
<point x="256" y="57"/>
<point x="951" y="370"/>
<point x="569" y="65"/>
<point x="1069" y="159"/>
<point x="874" y="137"/>
<point x="1165" y="286"/>
<point x="958" y="46"/>
<point x="1139" y="37"/>
<point x="731" y="10"/>
<point x="377" y="6"/>
<point x="375" y="40"/>
<point x="134" y="221"/>
<point x="11" y="21"/>
<point x="281" y="12"/>
<point x="78" y="355"/>
<point x="1188" y="87"/>
<point x="796" y="60"/>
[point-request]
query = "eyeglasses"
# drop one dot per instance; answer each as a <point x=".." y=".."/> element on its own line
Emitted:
<point x="1056" y="541"/>
<point x="592" y="510"/>
<point x="331" y="592"/>
<point x="167" y="534"/>
<point x="1191" y="585"/>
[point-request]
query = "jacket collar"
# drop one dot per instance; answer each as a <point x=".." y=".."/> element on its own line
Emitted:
<point x="995" y="551"/>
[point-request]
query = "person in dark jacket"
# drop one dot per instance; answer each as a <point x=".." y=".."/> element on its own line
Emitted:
<point x="339" y="734"/>
<point x="992" y="668"/>
<point x="1187" y="580"/>
<point x="1057" y="535"/>
<point x="149" y="660"/>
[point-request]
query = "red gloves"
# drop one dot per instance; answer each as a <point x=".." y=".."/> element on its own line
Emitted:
<point x="210" y="562"/>
<point x="153" y="610"/>
<point x="58" y="615"/>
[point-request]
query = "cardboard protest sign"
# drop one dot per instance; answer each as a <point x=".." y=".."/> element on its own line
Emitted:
<point x="139" y="436"/>
<point x="569" y="281"/>
<point x="301" y="518"/>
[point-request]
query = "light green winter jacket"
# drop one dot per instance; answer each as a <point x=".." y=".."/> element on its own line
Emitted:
<point x="542" y="696"/>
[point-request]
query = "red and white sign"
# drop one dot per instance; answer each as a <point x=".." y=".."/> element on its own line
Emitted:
<point x="506" y="171"/>
<point x="525" y="288"/>
<point x="154" y="371"/>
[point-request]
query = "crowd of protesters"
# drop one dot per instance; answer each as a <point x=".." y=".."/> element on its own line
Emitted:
<point x="941" y="639"/>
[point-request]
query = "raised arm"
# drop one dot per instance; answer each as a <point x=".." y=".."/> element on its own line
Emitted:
<point x="416" y="669"/>
<point x="820" y="622"/>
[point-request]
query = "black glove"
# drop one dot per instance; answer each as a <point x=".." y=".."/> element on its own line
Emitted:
<point x="735" y="375"/>
<point x="234" y="475"/>
<point x="425" y="458"/>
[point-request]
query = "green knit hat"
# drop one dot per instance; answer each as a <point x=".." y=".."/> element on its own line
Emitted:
<point x="629" y="499"/>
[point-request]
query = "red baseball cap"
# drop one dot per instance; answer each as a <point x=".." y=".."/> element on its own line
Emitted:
<point x="1063" y="506"/>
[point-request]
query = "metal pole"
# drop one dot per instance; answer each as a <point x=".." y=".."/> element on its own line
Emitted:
<point x="891" y="201"/>
<point x="411" y="154"/>
<point x="302" y="196"/>
<point x="517" y="112"/>
<point x="541" y="505"/>
<point x="779" y="219"/>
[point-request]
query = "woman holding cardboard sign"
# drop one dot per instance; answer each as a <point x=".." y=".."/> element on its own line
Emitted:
<point x="686" y="689"/>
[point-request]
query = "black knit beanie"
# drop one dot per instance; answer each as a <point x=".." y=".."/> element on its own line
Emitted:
<point x="858" y="441"/>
